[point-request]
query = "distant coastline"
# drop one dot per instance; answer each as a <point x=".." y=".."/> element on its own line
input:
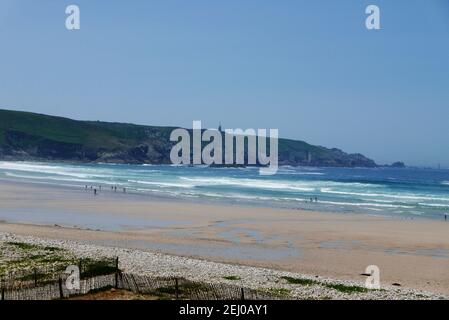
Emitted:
<point x="28" y="136"/>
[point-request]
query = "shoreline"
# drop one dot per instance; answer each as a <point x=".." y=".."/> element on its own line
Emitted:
<point x="413" y="253"/>
<point x="138" y="195"/>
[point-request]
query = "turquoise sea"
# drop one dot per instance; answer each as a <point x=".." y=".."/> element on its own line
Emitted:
<point x="409" y="192"/>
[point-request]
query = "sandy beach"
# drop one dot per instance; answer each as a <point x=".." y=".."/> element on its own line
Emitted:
<point x="412" y="253"/>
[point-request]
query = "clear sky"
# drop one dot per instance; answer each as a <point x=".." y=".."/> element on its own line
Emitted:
<point x="309" y="68"/>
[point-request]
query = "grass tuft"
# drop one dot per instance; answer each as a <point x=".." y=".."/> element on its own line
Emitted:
<point x="93" y="268"/>
<point x="346" y="289"/>
<point x="301" y="281"/>
<point x="279" y="291"/>
<point x="23" y="246"/>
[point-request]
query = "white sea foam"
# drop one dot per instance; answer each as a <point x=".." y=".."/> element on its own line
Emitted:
<point x="436" y="205"/>
<point x="252" y="183"/>
<point x="374" y="209"/>
<point x="302" y="173"/>
<point x="378" y="200"/>
<point x="54" y="170"/>
<point x="162" y="184"/>
<point x="22" y="176"/>
<point x="385" y="195"/>
<point x="365" y="204"/>
<point x="288" y="170"/>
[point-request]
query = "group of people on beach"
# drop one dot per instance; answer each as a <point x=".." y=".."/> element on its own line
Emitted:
<point x="95" y="190"/>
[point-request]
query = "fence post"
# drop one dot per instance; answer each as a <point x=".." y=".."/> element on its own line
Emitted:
<point x="61" y="292"/>
<point x="176" y="288"/>
<point x="243" y="294"/>
<point x="116" y="273"/>
<point x="3" y="283"/>
<point x="79" y="267"/>
<point x="35" y="277"/>
<point x="135" y="284"/>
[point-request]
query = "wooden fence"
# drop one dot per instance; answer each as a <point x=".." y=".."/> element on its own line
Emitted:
<point x="39" y="285"/>
<point x="180" y="288"/>
<point x="50" y="283"/>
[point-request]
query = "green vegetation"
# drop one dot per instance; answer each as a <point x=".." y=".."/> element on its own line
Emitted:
<point x="23" y="246"/>
<point x="233" y="278"/>
<point x="339" y="287"/>
<point x="346" y="289"/>
<point x="21" y="256"/>
<point x="38" y="136"/>
<point x="39" y="276"/>
<point x="30" y="262"/>
<point x="92" y="268"/>
<point x="301" y="281"/>
<point x="279" y="291"/>
<point x="33" y="261"/>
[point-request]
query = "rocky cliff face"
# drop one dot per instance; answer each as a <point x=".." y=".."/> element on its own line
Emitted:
<point x="28" y="136"/>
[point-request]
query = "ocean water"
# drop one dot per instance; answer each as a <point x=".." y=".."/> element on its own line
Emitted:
<point x="410" y="192"/>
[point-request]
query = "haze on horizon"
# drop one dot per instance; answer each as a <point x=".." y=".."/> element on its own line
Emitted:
<point x="309" y="68"/>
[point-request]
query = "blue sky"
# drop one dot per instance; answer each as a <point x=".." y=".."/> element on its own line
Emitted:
<point x="309" y="68"/>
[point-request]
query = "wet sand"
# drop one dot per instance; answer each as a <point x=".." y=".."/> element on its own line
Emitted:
<point x="413" y="253"/>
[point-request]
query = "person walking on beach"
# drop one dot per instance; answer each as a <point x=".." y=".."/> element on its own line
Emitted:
<point x="316" y="199"/>
<point x="445" y="217"/>
<point x="95" y="192"/>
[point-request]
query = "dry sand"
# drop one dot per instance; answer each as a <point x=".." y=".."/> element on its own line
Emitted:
<point x="413" y="253"/>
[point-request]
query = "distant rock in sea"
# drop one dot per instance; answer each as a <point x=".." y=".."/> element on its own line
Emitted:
<point x="398" y="164"/>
